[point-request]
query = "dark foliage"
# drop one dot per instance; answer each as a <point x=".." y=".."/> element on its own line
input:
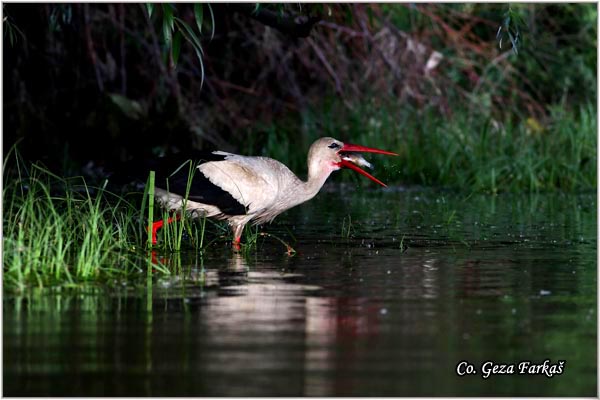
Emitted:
<point x="103" y="82"/>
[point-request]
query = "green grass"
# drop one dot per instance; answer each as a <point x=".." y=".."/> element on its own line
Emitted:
<point x="173" y="233"/>
<point x="62" y="232"/>
<point x="65" y="238"/>
<point x="464" y="151"/>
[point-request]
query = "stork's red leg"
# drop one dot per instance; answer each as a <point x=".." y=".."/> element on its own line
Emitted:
<point x="159" y="224"/>
<point x="237" y="236"/>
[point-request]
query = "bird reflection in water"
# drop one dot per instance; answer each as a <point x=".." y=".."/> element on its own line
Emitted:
<point x="255" y="316"/>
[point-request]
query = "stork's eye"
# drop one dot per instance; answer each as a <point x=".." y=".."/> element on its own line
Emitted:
<point x="334" y="146"/>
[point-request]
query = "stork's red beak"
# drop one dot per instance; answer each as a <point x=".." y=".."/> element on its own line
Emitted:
<point x="349" y="163"/>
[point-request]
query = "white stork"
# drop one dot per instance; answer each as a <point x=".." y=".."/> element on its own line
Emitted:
<point x="241" y="189"/>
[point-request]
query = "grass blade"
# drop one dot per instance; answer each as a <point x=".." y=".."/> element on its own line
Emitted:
<point x="198" y="15"/>
<point x="151" y="178"/>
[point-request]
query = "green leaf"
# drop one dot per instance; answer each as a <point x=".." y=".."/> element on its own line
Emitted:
<point x="169" y="10"/>
<point x="168" y="23"/>
<point x="191" y="37"/>
<point x="176" y="47"/>
<point x="199" y="54"/>
<point x="10" y="35"/>
<point x="212" y="22"/>
<point x="198" y="13"/>
<point x="166" y="34"/>
<point x="150" y="9"/>
<point x="131" y="108"/>
<point x="513" y="42"/>
<point x="256" y="8"/>
<point x="189" y="34"/>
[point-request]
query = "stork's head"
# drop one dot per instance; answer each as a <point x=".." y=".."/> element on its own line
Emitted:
<point x="328" y="154"/>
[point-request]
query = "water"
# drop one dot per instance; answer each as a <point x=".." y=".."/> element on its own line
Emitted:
<point x="389" y="291"/>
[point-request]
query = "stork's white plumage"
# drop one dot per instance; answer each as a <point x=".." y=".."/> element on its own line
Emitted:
<point x="242" y="189"/>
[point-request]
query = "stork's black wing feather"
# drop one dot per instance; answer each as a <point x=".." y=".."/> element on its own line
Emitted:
<point x="172" y="174"/>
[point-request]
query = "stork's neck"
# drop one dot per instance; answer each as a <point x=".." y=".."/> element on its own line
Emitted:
<point x="298" y="191"/>
<point x="317" y="175"/>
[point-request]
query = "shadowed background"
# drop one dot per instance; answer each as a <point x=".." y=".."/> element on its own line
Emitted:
<point x="480" y="96"/>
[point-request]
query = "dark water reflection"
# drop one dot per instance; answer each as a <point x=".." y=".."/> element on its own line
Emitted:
<point x="423" y="281"/>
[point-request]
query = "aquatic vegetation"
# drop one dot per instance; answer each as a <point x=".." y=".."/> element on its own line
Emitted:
<point x="347" y="227"/>
<point x="61" y="231"/>
<point x="462" y="151"/>
<point x="175" y="226"/>
<point x="67" y="236"/>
